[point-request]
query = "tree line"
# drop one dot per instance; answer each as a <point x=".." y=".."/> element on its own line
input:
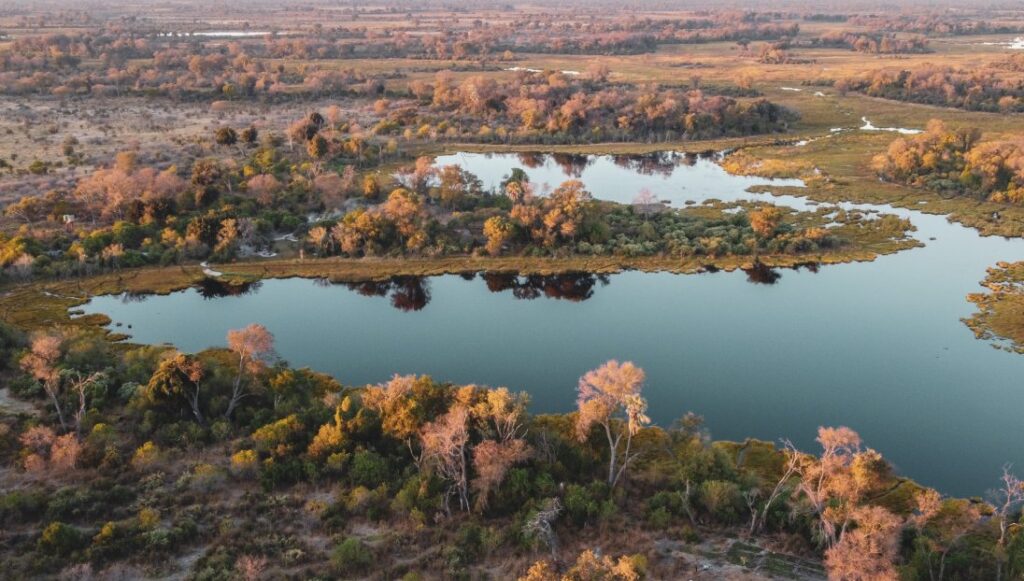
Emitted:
<point x="139" y="454"/>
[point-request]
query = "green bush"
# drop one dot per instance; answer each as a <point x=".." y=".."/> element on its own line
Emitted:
<point x="369" y="469"/>
<point x="351" y="557"/>
<point x="721" y="499"/>
<point x="21" y="506"/>
<point x="61" y="540"/>
<point x="588" y="504"/>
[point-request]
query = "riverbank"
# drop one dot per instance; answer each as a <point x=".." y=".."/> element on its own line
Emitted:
<point x="42" y="303"/>
<point x="837" y="169"/>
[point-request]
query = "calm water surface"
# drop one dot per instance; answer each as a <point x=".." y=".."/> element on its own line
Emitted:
<point x="876" y="346"/>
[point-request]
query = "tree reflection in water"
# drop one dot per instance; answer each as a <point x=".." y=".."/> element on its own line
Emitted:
<point x="212" y="288"/>
<point x="761" y="273"/>
<point x="408" y="293"/>
<point x="412" y="293"/>
<point x="571" y="286"/>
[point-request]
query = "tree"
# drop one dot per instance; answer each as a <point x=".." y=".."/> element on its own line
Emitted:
<point x="453" y="185"/>
<point x="869" y="551"/>
<point x="252" y="345"/>
<point x="371" y="187"/>
<point x="41" y="363"/>
<point x="444" y="445"/>
<point x="504" y="412"/>
<point x="65" y="451"/>
<point x="1007" y="499"/>
<point x="250" y="135"/>
<point x="80" y="384"/>
<point x="941" y="525"/>
<point x="405" y="404"/>
<point x="498" y="231"/>
<point x="834" y="484"/>
<point x="320" y="237"/>
<point x="264" y="187"/>
<point x="226" y="136"/>
<point x="567" y="207"/>
<point x="645" y="203"/>
<point x="317" y="149"/>
<point x="609" y="396"/>
<point x="491" y="461"/>
<point x="765" y="220"/>
<point x="178" y="375"/>
<point x="540" y="524"/>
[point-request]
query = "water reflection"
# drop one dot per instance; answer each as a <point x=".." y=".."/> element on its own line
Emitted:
<point x="407" y="293"/>
<point x="412" y="293"/>
<point x="761" y="273"/>
<point x="134" y="297"/>
<point x="661" y="163"/>
<point x="212" y="288"/>
<point x="675" y="177"/>
<point x="570" y="286"/>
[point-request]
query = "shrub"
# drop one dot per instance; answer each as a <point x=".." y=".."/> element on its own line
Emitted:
<point x="588" y="504"/>
<point x="21" y="506"/>
<point x="351" y="557"/>
<point x="721" y="499"/>
<point x="146" y="456"/>
<point x="368" y="469"/>
<point x="61" y="540"/>
<point x="244" y="463"/>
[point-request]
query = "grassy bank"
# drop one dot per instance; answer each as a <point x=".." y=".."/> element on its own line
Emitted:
<point x="43" y="303"/>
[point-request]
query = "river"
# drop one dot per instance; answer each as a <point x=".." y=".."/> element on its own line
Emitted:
<point x="879" y="346"/>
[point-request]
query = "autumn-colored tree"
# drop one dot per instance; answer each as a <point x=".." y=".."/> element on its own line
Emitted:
<point x="317" y="148"/>
<point x="251" y="567"/>
<point x="454" y="185"/>
<point x="405" y="404"/>
<point x="41" y="363"/>
<point x="264" y="188"/>
<point x="834" y="484"/>
<point x="38" y="442"/>
<point x="178" y="376"/>
<point x="405" y="210"/>
<point x="320" y="238"/>
<point x="498" y="231"/>
<point x="371" y="187"/>
<point x="491" y="461"/>
<point x="765" y="220"/>
<point x="565" y="210"/>
<point x="253" y="345"/>
<point x="609" y="397"/>
<point x="867" y="552"/>
<point x="64" y="452"/>
<point x="589" y="566"/>
<point x="444" y="444"/>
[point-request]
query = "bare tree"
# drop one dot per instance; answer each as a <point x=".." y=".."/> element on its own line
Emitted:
<point x="540" y="524"/>
<point x="252" y="345"/>
<point x="444" y="445"/>
<point x="80" y="384"/>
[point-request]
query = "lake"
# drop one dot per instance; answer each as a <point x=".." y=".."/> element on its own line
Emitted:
<point x="878" y="346"/>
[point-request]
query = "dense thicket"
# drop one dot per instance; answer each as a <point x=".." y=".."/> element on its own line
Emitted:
<point x="957" y="162"/>
<point x="981" y="89"/>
